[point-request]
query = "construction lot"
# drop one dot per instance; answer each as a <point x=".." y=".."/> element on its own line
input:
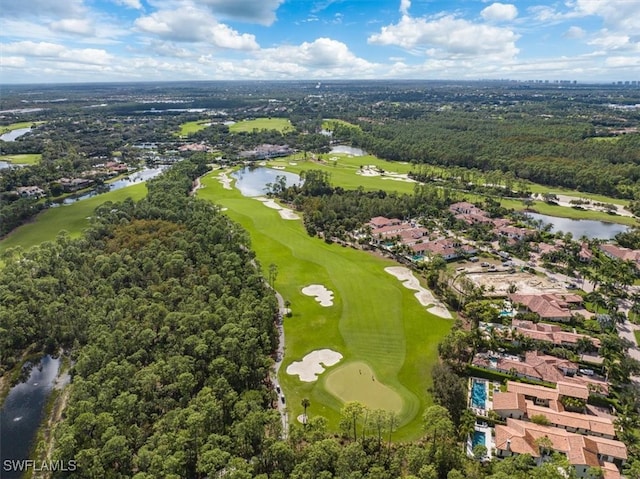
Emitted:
<point x="497" y="284"/>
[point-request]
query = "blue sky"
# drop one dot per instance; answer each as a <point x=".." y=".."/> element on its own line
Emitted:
<point x="147" y="40"/>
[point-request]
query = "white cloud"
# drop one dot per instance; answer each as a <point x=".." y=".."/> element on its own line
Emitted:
<point x="448" y="35"/>
<point x="33" y="49"/>
<point x="575" y="32"/>
<point x="614" y="41"/>
<point x="42" y="8"/>
<point x="12" y="62"/>
<point x="405" y="5"/>
<point x="499" y="12"/>
<point x="617" y="14"/>
<point x="129" y="3"/>
<point x="322" y="53"/>
<point x="253" y="11"/>
<point x="190" y="24"/>
<point x="76" y="26"/>
<point x="58" y="52"/>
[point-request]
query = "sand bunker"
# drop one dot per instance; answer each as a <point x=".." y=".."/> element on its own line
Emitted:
<point x="357" y="382"/>
<point x="285" y="213"/>
<point x="313" y="364"/>
<point x="224" y="180"/>
<point x="322" y="294"/>
<point x="368" y="170"/>
<point x="302" y="419"/>
<point x="423" y="295"/>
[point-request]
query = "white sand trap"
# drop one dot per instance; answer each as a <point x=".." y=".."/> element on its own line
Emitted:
<point x="263" y="163"/>
<point x="293" y="163"/>
<point x="313" y="364"/>
<point x="423" y="295"/>
<point x="323" y="295"/>
<point x="224" y="209"/>
<point x="224" y="180"/>
<point x="368" y="170"/>
<point x="278" y="167"/>
<point x="302" y="419"/>
<point x="285" y="213"/>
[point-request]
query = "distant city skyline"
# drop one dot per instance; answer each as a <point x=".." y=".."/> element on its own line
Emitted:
<point x="53" y="41"/>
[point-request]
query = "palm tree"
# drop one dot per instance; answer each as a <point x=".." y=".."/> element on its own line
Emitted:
<point x="305" y="404"/>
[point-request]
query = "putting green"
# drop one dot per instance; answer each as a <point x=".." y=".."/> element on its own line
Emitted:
<point x="357" y="382"/>
<point x="373" y="320"/>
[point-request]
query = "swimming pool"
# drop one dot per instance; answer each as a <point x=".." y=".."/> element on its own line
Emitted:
<point x="479" y="438"/>
<point x="478" y="394"/>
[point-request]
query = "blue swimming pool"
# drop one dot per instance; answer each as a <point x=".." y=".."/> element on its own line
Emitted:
<point x="479" y="437"/>
<point x="478" y="394"/>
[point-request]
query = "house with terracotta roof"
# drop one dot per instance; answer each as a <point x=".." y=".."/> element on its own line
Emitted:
<point x="513" y="232"/>
<point x="448" y="248"/>
<point x="381" y="222"/>
<point x="550" y="307"/>
<point x="583" y="452"/>
<point x="623" y="254"/>
<point x="550" y="332"/>
<point x="466" y="208"/>
<point x="525" y="401"/>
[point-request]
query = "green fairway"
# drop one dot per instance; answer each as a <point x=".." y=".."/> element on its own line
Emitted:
<point x="282" y="125"/>
<point x="25" y="159"/>
<point x="72" y="218"/>
<point x="344" y="172"/>
<point x="357" y="382"/>
<point x="373" y="320"/>
<point x="191" y="127"/>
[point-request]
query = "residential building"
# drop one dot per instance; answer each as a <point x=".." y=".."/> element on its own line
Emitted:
<point x="583" y="452"/>
<point x="550" y="307"/>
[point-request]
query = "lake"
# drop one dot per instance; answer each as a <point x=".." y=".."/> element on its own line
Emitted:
<point x="134" y="178"/>
<point x="13" y="134"/>
<point x="348" y="150"/>
<point x="22" y="411"/>
<point x="252" y="182"/>
<point x="589" y="228"/>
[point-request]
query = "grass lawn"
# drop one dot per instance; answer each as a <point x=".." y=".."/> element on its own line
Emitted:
<point x="375" y="322"/>
<point x="72" y="218"/>
<point x="191" y="127"/>
<point x="283" y="125"/>
<point x="637" y="335"/>
<point x="343" y="170"/>
<point x="329" y="123"/>
<point x="15" y="126"/>
<point x="26" y="159"/>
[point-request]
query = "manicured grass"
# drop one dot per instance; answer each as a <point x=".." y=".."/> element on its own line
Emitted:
<point x="329" y="123"/>
<point x="15" y="126"/>
<point x="191" y="127"/>
<point x="72" y="218"/>
<point x="374" y="319"/>
<point x="26" y="159"/>
<point x="357" y="382"/>
<point x="564" y="212"/>
<point x="281" y="124"/>
<point x="636" y="333"/>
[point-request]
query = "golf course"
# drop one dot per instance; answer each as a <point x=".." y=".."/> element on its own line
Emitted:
<point x="71" y="218"/>
<point x="381" y="343"/>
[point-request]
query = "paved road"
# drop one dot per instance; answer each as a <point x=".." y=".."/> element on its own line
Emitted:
<point x="282" y="407"/>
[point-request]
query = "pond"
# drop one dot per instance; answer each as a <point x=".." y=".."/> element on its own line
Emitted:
<point x="13" y="134"/>
<point x="22" y="411"/>
<point x="134" y="178"/>
<point x="253" y="181"/>
<point x="348" y="150"/>
<point x="589" y="228"/>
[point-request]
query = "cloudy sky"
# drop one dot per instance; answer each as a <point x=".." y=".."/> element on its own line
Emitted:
<point x="122" y="40"/>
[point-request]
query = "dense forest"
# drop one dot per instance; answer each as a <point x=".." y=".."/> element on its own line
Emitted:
<point x="555" y="152"/>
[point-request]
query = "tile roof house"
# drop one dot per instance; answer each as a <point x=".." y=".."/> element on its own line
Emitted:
<point x="448" y="248"/>
<point x="549" y="332"/>
<point x="624" y="254"/>
<point x="583" y="452"/>
<point x="381" y="222"/>
<point x="524" y="401"/>
<point x="550" y="307"/>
